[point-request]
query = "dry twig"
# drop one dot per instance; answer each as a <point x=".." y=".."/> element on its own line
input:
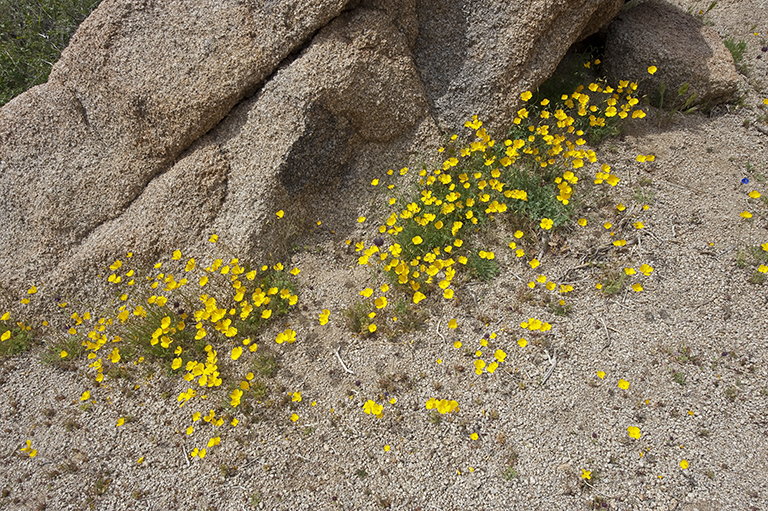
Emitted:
<point x="341" y="361"/>
<point x="607" y="334"/>
<point x="553" y="360"/>
<point x="437" y="330"/>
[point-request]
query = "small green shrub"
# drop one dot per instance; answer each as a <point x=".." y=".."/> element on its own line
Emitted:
<point x="737" y="50"/>
<point x="34" y="33"/>
<point x="15" y="338"/>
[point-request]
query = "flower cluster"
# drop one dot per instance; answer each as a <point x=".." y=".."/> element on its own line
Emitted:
<point x="443" y="406"/>
<point x="532" y="174"/>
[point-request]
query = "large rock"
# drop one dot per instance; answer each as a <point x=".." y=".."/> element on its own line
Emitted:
<point x="165" y="121"/>
<point x="477" y="57"/>
<point x="139" y="82"/>
<point x="693" y="65"/>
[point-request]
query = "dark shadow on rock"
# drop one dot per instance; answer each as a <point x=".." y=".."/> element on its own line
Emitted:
<point x="440" y="47"/>
<point x="320" y="155"/>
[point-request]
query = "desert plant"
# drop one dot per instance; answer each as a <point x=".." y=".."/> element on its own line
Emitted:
<point x="34" y="33"/>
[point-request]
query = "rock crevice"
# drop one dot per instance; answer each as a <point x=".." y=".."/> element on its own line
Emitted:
<point x="166" y="120"/>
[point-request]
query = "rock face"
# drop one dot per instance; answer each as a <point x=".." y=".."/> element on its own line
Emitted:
<point x="167" y="120"/>
<point x="694" y="67"/>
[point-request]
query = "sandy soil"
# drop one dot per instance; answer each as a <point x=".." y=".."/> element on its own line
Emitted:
<point x="692" y="346"/>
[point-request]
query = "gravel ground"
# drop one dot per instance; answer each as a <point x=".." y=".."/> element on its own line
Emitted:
<point x="692" y="346"/>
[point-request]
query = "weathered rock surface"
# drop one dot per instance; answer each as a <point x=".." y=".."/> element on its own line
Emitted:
<point x="139" y="82"/>
<point x="476" y="57"/>
<point x="165" y="121"/>
<point x="684" y="50"/>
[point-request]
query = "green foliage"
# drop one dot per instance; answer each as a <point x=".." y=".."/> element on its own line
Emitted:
<point x="757" y="278"/>
<point x="17" y="338"/>
<point x="737" y="50"/>
<point x="71" y="347"/>
<point x="33" y="34"/>
<point x="356" y="316"/>
<point x="682" y="102"/>
<point x="509" y="474"/>
<point x="264" y="365"/>
<point x="482" y="269"/>
<point x="613" y="282"/>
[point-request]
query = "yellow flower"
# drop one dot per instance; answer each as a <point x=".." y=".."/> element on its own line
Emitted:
<point x="546" y="223"/>
<point x="683" y="464"/>
<point x="582" y="222"/>
<point x="360" y="219"/>
<point x="367" y="292"/>
<point x="417" y="240"/>
<point x="280" y="214"/>
<point x="623" y="384"/>
<point x="634" y="432"/>
<point x="324" y="316"/>
<point x="586" y="474"/>
<point x="236" y="352"/>
<point x="474" y="436"/>
<point x="522" y="343"/>
<point x="636" y="287"/>
<point x="601" y="374"/>
<point x="534" y="263"/>
<point x="86" y="396"/>
<point x="380" y="302"/>
<point x="418" y="296"/>
<point x="745" y="214"/>
<point x="294" y="417"/>
<point x="525" y="96"/>
<point x="373" y="408"/>
<point x="452" y="324"/>
<point x="645" y="269"/>
<point x="652" y="69"/>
